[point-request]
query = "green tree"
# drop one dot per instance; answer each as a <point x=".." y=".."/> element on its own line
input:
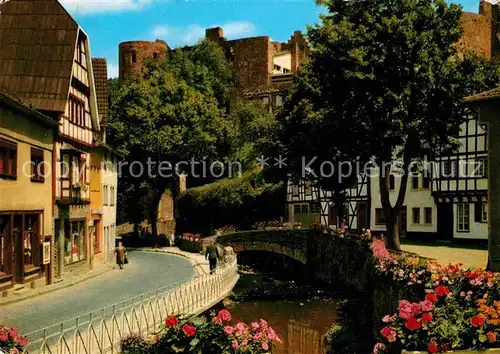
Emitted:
<point x="383" y="83"/>
<point x="159" y="121"/>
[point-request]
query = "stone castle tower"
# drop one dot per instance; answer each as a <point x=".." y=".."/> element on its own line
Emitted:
<point x="134" y="54"/>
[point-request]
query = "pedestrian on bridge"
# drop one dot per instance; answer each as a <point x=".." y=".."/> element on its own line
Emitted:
<point x="212" y="254"/>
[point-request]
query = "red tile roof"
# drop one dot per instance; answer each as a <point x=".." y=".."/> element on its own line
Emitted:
<point x="36" y="56"/>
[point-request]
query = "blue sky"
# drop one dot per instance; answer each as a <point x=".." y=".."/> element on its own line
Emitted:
<point x="183" y="22"/>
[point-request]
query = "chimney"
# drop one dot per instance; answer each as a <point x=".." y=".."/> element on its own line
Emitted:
<point x="214" y="34"/>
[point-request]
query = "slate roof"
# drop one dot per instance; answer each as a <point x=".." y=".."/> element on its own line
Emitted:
<point x="17" y="104"/>
<point x="484" y="96"/>
<point x="101" y="87"/>
<point x="38" y="40"/>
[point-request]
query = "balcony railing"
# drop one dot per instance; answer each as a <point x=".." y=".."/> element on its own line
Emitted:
<point x="102" y="330"/>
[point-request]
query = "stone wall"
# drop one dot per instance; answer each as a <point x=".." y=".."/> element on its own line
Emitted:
<point x="133" y="55"/>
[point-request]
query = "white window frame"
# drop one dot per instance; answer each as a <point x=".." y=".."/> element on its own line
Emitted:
<point x="463" y="217"/>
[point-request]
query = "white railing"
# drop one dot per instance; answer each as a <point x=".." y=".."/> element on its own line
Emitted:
<point x="101" y="331"/>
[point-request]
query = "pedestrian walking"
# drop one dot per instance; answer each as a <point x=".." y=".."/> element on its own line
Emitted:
<point x="213" y="255"/>
<point x="121" y="255"/>
<point x="172" y="240"/>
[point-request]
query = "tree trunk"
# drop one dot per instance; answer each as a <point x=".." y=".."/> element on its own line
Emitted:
<point x="393" y="241"/>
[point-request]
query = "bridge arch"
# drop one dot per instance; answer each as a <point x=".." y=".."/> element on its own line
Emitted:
<point x="295" y="254"/>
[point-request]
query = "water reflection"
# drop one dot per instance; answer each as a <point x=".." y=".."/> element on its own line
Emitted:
<point x="301" y="325"/>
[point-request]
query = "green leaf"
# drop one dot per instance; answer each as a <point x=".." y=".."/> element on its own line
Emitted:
<point x="482" y="338"/>
<point x="178" y="348"/>
<point x="198" y="321"/>
<point x="194" y="342"/>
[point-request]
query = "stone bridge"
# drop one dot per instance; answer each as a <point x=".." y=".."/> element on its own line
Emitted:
<point x="292" y="243"/>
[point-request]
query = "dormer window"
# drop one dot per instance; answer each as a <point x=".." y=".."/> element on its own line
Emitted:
<point x="80" y="54"/>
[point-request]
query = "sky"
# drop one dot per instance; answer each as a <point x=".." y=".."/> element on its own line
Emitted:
<point x="183" y="22"/>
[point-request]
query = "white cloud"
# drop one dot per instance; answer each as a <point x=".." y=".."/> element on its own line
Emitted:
<point x="190" y="34"/>
<point x="84" y="7"/>
<point x="112" y="71"/>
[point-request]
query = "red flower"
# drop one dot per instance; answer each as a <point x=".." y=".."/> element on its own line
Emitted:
<point x="431" y="297"/>
<point x="442" y="290"/>
<point x="224" y="315"/>
<point x="386" y="332"/>
<point x="171" y="321"/>
<point x="478" y="321"/>
<point x="426" y="317"/>
<point x="445" y="347"/>
<point x="157" y="339"/>
<point x="432" y="347"/>
<point x="189" y="330"/>
<point x="492" y="337"/>
<point x="412" y="324"/>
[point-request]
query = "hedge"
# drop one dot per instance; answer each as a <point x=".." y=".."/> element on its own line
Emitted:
<point x="239" y="201"/>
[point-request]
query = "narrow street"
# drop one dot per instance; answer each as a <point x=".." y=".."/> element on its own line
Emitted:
<point x="145" y="272"/>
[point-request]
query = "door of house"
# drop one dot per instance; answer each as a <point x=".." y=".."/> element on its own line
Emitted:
<point x="445" y="221"/>
<point x="17" y="249"/>
<point x="402" y="225"/>
<point x="301" y="214"/>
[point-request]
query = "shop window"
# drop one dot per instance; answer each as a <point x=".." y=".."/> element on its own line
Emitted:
<point x="30" y="238"/>
<point x="74" y="239"/>
<point x="379" y="216"/>
<point x="8" y="159"/>
<point x="37" y="165"/>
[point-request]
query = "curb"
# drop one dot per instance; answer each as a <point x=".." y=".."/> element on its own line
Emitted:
<point x="54" y="287"/>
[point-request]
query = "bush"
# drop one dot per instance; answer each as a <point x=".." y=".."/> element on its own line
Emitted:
<point x="11" y="341"/>
<point x="214" y="335"/>
<point x="239" y="201"/>
<point x="133" y="344"/>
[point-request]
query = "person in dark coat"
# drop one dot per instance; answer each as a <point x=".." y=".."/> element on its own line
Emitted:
<point x="120" y="254"/>
<point x="212" y="254"/>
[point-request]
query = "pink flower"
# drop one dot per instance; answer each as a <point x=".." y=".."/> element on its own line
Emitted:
<point x="416" y="309"/>
<point x="244" y="343"/>
<point x="229" y="330"/>
<point x="378" y="348"/>
<point x="235" y="344"/>
<point x="379" y="250"/>
<point x="224" y="315"/>
<point x="255" y="326"/>
<point x="427" y="305"/>
<point x="240" y="326"/>
<point x="4" y="336"/>
<point x="405" y="309"/>
<point x="263" y="324"/>
<point x="265" y="346"/>
<point x="13" y="351"/>
<point x="387" y="319"/>
<point x="23" y="341"/>
<point x="257" y="336"/>
<point x="271" y="334"/>
<point x="13" y="333"/>
<point x="238" y="333"/>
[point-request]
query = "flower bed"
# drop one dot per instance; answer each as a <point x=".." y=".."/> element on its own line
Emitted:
<point x="190" y="243"/>
<point x="11" y="341"/>
<point x="200" y="335"/>
<point x="452" y="308"/>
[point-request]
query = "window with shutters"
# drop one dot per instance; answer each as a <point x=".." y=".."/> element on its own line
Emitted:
<point x="379" y="216"/>
<point x="8" y="159"/>
<point x="37" y="165"/>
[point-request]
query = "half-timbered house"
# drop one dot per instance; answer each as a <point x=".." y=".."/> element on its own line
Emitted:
<point x="45" y="59"/>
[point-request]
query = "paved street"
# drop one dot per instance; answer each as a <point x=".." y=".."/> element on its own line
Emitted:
<point x="145" y="272"/>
